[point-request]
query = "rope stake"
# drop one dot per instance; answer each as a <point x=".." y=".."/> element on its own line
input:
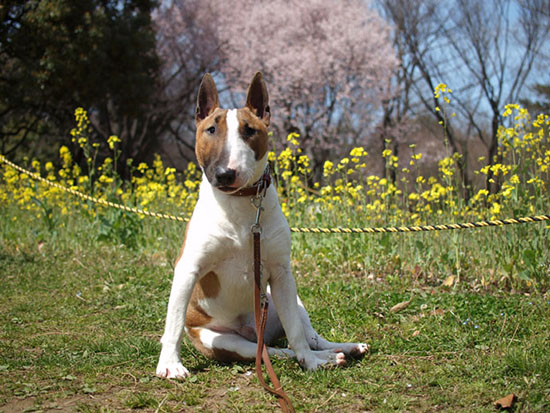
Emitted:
<point x="336" y="230"/>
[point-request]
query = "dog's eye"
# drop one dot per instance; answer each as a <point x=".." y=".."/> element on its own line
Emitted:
<point x="211" y="130"/>
<point x="248" y="131"/>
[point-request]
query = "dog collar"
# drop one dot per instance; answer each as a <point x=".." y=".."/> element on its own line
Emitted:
<point x="260" y="185"/>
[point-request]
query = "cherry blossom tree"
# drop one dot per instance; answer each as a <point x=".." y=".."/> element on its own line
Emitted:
<point x="327" y="63"/>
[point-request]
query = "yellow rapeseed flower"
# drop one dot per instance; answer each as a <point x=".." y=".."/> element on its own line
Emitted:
<point x="112" y="140"/>
<point x="358" y="152"/>
<point x="328" y="168"/>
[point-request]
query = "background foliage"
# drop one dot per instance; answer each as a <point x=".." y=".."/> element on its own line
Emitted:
<point x="341" y="74"/>
<point x="59" y="55"/>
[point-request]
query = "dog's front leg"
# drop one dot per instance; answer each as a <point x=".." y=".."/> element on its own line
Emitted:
<point x="283" y="291"/>
<point x="170" y="365"/>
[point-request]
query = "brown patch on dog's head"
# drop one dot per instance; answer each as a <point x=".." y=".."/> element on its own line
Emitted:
<point x="223" y="137"/>
<point x="211" y="126"/>
<point x="253" y="131"/>
<point x="210" y="138"/>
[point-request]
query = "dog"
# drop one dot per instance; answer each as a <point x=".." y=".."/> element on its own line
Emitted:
<point x="212" y="291"/>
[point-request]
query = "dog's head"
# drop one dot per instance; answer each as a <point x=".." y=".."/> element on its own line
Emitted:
<point x="231" y="144"/>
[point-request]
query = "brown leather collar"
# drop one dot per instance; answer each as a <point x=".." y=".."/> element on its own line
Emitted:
<point x="261" y="185"/>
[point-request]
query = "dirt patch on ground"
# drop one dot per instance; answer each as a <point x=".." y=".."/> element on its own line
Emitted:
<point x="32" y="404"/>
<point x="242" y="392"/>
<point x="18" y="405"/>
<point x="108" y="399"/>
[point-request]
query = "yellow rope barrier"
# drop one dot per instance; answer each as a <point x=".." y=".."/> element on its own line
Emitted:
<point x="91" y="198"/>
<point x="368" y="230"/>
<point x="442" y="227"/>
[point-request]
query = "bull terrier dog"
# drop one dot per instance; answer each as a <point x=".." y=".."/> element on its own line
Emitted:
<point x="212" y="291"/>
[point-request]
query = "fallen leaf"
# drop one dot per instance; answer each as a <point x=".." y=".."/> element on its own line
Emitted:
<point x="400" y="306"/>
<point x="438" y="311"/>
<point x="449" y="281"/>
<point x="506" y="402"/>
<point x="417" y="332"/>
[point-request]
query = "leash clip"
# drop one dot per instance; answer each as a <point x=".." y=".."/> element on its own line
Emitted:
<point x="257" y="203"/>
<point x="256" y="227"/>
<point x="257" y="200"/>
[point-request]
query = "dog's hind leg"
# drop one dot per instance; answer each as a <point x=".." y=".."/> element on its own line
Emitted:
<point x="316" y="342"/>
<point x="229" y="346"/>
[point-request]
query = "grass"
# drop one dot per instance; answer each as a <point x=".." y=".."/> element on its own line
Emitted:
<point x="81" y="316"/>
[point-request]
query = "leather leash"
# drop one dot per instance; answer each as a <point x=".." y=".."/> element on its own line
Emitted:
<point x="261" y="304"/>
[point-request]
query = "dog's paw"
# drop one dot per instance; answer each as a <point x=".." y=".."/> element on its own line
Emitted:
<point x="172" y="371"/>
<point x="324" y="358"/>
<point x="356" y="350"/>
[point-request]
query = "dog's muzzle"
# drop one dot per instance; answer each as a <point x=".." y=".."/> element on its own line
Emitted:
<point x="224" y="177"/>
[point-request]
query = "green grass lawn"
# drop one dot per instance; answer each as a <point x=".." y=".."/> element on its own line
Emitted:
<point x="81" y="320"/>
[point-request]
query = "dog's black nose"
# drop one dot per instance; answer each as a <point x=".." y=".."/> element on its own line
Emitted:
<point x="225" y="176"/>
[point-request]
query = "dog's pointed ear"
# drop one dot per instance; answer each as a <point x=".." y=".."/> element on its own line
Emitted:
<point x="207" y="99"/>
<point x="257" y="100"/>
